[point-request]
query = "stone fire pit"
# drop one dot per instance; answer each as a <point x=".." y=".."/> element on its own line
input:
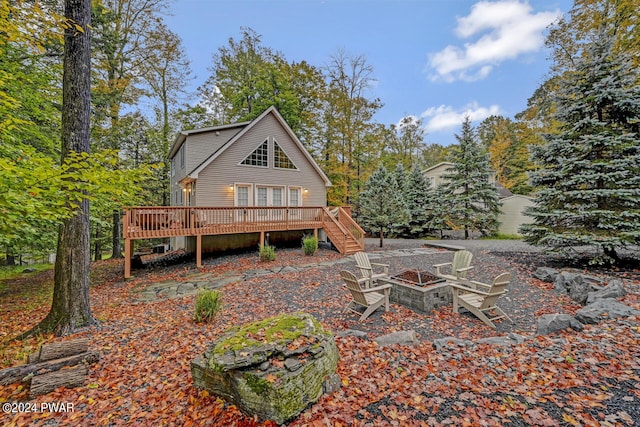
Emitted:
<point x="419" y="290"/>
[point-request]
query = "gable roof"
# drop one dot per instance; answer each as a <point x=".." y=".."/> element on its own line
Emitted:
<point x="429" y="169"/>
<point x="243" y="129"/>
<point x="182" y="136"/>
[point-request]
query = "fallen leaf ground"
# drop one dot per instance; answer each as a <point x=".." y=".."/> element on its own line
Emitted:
<point x="587" y="378"/>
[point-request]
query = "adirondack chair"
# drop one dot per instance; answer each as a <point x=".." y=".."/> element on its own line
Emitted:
<point x="459" y="267"/>
<point x="370" y="298"/>
<point x="366" y="269"/>
<point x="481" y="299"/>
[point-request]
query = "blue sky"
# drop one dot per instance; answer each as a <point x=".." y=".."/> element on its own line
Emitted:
<point x="435" y="59"/>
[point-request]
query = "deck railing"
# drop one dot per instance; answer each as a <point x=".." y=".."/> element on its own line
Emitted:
<point x="167" y="221"/>
<point x="344" y="217"/>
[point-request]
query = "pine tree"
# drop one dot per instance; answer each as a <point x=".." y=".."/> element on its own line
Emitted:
<point x="471" y="201"/>
<point x="382" y="204"/>
<point x="400" y="174"/>
<point x="420" y="200"/>
<point x="589" y="173"/>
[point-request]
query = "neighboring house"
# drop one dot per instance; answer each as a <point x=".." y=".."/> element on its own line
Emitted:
<point x="512" y="206"/>
<point x="434" y="174"/>
<point x="512" y="213"/>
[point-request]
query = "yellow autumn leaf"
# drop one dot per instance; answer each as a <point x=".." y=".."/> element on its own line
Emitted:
<point x="270" y="378"/>
<point x="569" y="419"/>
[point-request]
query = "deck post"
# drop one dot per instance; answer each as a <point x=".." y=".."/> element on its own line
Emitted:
<point x="315" y="233"/>
<point x="261" y="238"/>
<point x="128" y="252"/>
<point x="199" y="250"/>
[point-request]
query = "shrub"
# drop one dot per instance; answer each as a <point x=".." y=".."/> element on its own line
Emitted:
<point x="208" y="303"/>
<point x="309" y="245"/>
<point x="500" y="236"/>
<point x="267" y="253"/>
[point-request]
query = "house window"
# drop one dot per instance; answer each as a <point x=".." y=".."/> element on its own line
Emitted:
<point x="173" y="166"/>
<point x="276" y="195"/>
<point x="294" y="197"/>
<point x="181" y="154"/>
<point x="280" y="158"/>
<point x="258" y="157"/>
<point x="269" y="196"/>
<point x="262" y="196"/>
<point x="242" y="195"/>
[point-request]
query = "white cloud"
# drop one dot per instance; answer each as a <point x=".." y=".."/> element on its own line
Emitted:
<point x="446" y="118"/>
<point x="502" y="29"/>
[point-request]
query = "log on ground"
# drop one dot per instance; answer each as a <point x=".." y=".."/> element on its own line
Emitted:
<point x="18" y="373"/>
<point x="58" y="350"/>
<point x="72" y="376"/>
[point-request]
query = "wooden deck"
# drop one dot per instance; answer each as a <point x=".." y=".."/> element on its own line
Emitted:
<point x="150" y="222"/>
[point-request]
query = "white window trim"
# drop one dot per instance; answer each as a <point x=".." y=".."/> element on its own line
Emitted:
<point x="270" y="194"/>
<point x="294" y="187"/>
<point x="273" y="145"/>
<point x="249" y="193"/>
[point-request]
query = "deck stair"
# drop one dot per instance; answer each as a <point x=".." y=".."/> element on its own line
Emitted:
<point x="345" y="234"/>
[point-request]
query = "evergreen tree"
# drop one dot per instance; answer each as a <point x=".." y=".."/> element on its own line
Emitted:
<point x="471" y="200"/>
<point x="401" y="229"/>
<point x="420" y="200"/>
<point x="382" y="204"/>
<point x="589" y="172"/>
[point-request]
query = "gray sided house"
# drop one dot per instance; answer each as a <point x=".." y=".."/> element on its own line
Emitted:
<point x="512" y="206"/>
<point x="260" y="163"/>
<point x="257" y="163"/>
<point x="239" y="185"/>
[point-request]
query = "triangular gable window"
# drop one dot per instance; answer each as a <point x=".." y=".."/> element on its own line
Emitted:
<point x="280" y="158"/>
<point x="258" y="157"/>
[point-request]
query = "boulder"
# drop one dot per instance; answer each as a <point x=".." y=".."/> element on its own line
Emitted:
<point x="400" y="337"/>
<point x="352" y="333"/>
<point x="603" y="309"/>
<point x="546" y="274"/>
<point x="452" y="342"/>
<point x="511" y="339"/>
<point x="578" y="290"/>
<point x="273" y="368"/>
<point x="614" y="289"/>
<point x="577" y="285"/>
<point x="561" y="282"/>
<point x="550" y="323"/>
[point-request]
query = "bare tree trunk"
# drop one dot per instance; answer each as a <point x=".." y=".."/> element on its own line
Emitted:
<point x="70" y="308"/>
<point x="97" y="244"/>
<point x="117" y="246"/>
<point x="11" y="259"/>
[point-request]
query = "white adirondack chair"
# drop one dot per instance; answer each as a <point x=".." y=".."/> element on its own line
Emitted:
<point x="481" y="299"/>
<point x="459" y="267"/>
<point x="370" y="298"/>
<point x="366" y="269"/>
